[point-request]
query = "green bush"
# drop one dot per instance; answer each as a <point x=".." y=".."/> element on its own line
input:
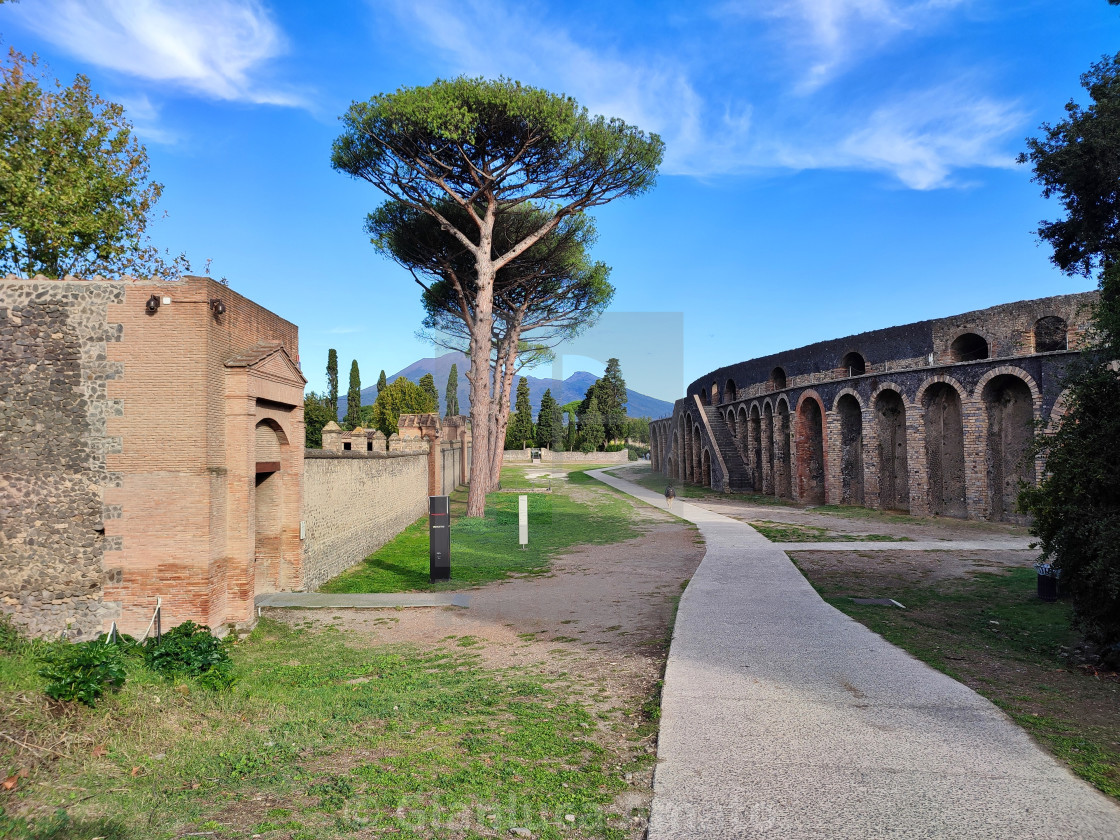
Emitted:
<point x="82" y="671"/>
<point x="614" y="447"/>
<point x="191" y="650"/>
<point x="11" y="640"/>
<point x="637" y="451"/>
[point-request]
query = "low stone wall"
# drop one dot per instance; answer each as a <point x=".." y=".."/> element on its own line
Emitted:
<point x="354" y="503"/>
<point x="524" y="456"/>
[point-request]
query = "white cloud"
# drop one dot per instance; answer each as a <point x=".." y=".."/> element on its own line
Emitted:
<point x="215" y="48"/>
<point x="920" y="137"/>
<point x="827" y="36"/>
<point x="144" y="116"/>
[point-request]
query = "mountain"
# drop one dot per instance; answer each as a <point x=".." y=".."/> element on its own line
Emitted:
<point x="563" y="391"/>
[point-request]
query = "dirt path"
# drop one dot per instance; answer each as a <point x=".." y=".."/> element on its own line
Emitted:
<point x="599" y="621"/>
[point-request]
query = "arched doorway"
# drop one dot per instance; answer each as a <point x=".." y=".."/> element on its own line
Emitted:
<point x="782" y="465"/>
<point x="894" y="481"/>
<point x="1010" y="410"/>
<point x="754" y="436"/>
<point x="851" y="450"/>
<point x="945" y="451"/>
<point x="810" y="452"/>
<point x="768" y="449"/>
<point x="706" y="468"/>
<point x="268" y="502"/>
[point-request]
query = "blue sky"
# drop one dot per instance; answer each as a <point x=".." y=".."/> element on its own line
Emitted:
<point x="832" y="166"/>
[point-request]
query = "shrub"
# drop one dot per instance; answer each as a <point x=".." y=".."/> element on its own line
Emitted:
<point x="11" y="640"/>
<point x="191" y="650"/>
<point x="82" y="671"/>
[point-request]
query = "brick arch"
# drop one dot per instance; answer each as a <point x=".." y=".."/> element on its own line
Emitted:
<point x="1009" y="370"/>
<point x="782" y="461"/>
<point x="1057" y="411"/>
<point x="778" y="403"/>
<point x="812" y="444"/>
<point x="933" y="380"/>
<point x="767" y="405"/>
<point x="889" y="386"/>
<point x="851" y="392"/>
<point x="706" y="467"/>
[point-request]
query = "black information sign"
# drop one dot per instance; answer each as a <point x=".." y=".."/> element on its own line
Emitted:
<point x="439" y="538"/>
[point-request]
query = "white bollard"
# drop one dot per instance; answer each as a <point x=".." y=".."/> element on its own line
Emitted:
<point x="523" y="520"/>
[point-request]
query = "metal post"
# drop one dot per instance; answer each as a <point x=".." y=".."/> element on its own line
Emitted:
<point x="439" y="538"/>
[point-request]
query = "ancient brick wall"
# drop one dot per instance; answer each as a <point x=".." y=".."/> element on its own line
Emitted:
<point x="53" y="442"/>
<point x="935" y="418"/>
<point x="524" y="456"/>
<point x="354" y="503"/>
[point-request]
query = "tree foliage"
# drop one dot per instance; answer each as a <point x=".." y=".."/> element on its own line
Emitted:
<point x="332" y="380"/>
<point x="609" y="391"/>
<point x="354" y="398"/>
<point x="381" y="383"/>
<point x="401" y="397"/>
<point x="451" y="393"/>
<point x="592" y="433"/>
<point x="489" y="147"/>
<point x="428" y="386"/>
<point x="317" y="412"/>
<point x="75" y="193"/>
<point x="1076" y="506"/>
<point x="550" y="422"/>
<point x="519" y="432"/>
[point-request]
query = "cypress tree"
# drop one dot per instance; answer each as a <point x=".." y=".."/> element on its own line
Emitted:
<point x="549" y="422"/>
<point x="592" y="435"/>
<point x="428" y="386"/>
<point x="451" y="394"/>
<point x="519" y="432"/>
<point x="354" y="398"/>
<point x="332" y="382"/>
<point x="381" y="383"/>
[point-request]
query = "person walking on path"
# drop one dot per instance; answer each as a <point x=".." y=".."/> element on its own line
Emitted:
<point x="670" y="494"/>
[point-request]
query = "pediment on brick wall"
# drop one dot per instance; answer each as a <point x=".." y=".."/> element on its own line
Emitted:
<point x="269" y="361"/>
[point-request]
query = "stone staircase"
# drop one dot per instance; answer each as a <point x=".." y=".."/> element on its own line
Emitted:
<point x="738" y="477"/>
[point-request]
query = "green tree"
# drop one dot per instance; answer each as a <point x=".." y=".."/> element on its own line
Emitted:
<point x="486" y="146"/>
<point x="1076" y="506"/>
<point x="451" y="393"/>
<point x="550" y="422"/>
<point x="401" y="397"/>
<point x="592" y="434"/>
<point x="354" y="398"/>
<point x="571" y="443"/>
<point x="519" y="432"/>
<point x="317" y="412"/>
<point x="610" y="392"/>
<point x="75" y="193"/>
<point x="332" y="381"/>
<point x="381" y="381"/>
<point x="428" y="386"/>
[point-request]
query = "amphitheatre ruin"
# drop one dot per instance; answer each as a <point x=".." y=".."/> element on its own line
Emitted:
<point x="933" y="418"/>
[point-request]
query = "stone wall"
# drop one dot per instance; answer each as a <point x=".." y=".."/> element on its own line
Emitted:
<point x="354" y="503"/>
<point x="524" y="456"/>
<point x="53" y="412"/>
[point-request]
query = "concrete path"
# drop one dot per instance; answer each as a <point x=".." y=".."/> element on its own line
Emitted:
<point x="313" y="600"/>
<point x="1013" y="544"/>
<point x="783" y="718"/>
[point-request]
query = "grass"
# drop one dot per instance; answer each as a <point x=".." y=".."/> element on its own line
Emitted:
<point x="317" y="740"/>
<point x="484" y="550"/>
<point x="786" y="532"/>
<point x="898" y="518"/>
<point x="991" y="632"/>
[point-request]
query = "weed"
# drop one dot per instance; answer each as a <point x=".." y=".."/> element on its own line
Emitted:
<point x="82" y="671"/>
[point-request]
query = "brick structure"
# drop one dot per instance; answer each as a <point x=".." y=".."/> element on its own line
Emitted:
<point x="934" y="418"/>
<point x="151" y="445"/>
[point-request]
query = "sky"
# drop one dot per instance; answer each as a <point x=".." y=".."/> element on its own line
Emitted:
<point x="831" y="166"/>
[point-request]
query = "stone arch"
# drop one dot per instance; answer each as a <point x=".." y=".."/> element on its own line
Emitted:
<point x="686" y="435"/>
<point x="754" y="438"/>
<point x="968" y="347"/>
<point x="729" y="390"/>
<point x="1010" y="412"/>
<point x="715" y="393"/>
<point x="778" y="379"/>
<point x="850" y="413"/>
<point x="706" y="467"/>
<point x="704" y="396"/>
<point x="741" y="420"/>
<point x="768" y="447"/>
<point x="810" y="449"/>
<point x="783" y="482"/>
<point x="890" y="425"/>
<point x="270" y="449"/>
<point x="697" y="444"/>
<point x="853" y="364"/>
<point x="1051" y="334"/>
<point x="943" y="416"/>
<point x="1009" y="370"/>
<point x="1057" y="411"/>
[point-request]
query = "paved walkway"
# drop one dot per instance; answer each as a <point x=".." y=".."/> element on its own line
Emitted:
<point x="323" y="600"/>
<point x="783" y="718"/>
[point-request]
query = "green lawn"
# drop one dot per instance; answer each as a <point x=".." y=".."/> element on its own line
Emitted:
<point x="657" y="482"/>
<point x="787" y="532"/>
<point x="317" y="740"/>
<point x="991" y="632"/>
<point x="484" y="550"/>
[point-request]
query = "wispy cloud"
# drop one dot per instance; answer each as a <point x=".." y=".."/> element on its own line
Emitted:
<point x="215" y="48"/>
<point x="827" y="36"/>
<point x="144" y="116"/>
<point x="921" y="137"/>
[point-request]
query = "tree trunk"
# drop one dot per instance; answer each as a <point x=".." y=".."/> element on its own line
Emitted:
<point x="479" y="374"/>
<point x="505" y="363"/>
